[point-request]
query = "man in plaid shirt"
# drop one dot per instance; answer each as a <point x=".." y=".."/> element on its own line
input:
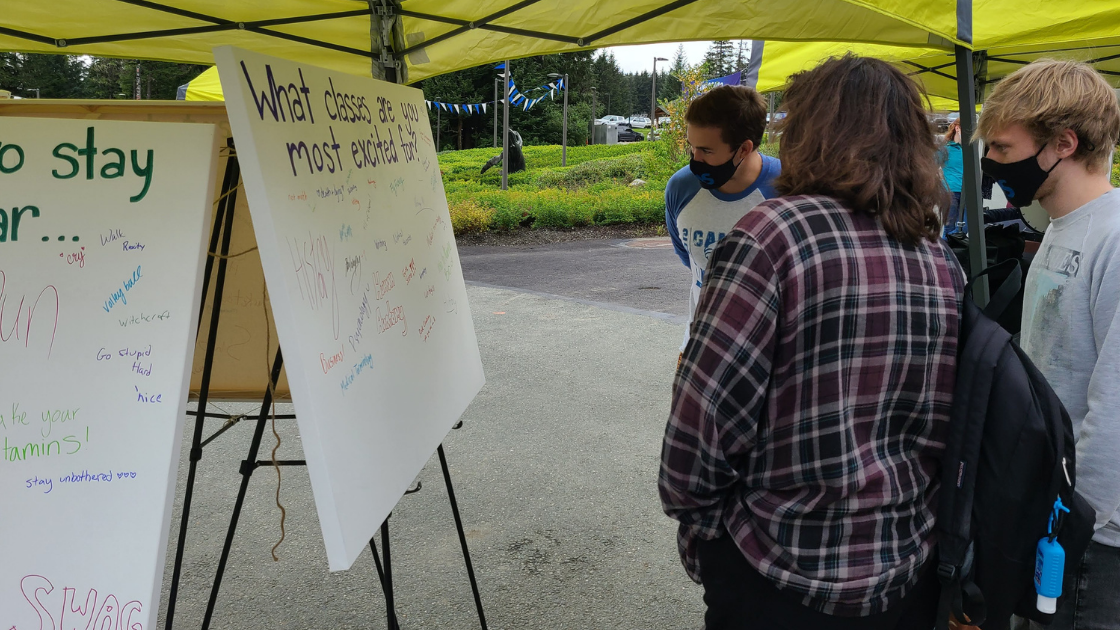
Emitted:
<point x="810" y="408"/>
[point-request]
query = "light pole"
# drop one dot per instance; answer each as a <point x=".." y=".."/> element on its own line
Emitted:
<point x="594" y="104"/>
<point x="496" y="81"/>
<point x="505" y="132"/>
<point x="653" y="101"/>
<point x="564" y="145"/>
<point x="437" y="125"/>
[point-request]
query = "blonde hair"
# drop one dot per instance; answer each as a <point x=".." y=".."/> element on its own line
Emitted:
<point x="1047" y="97"/>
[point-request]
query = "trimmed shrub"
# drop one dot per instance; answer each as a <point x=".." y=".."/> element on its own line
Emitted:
<point x="593" y="189"/>
<point x="470" y="217"/>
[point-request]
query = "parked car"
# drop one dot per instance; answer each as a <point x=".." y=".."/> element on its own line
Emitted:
<point x="639" y="122"/>
<point x="611" y="119"/>
<point x="662" y="121"/>
<point x="626" y="134"/>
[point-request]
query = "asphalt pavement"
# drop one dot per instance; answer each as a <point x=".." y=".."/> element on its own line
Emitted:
<point x="637" y="275"/>
<point x="555" y="472"/>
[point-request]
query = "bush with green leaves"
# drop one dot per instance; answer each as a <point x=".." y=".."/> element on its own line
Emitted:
<point x="593" y="189"/>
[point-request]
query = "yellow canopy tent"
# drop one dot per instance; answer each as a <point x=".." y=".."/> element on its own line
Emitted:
<point x="204" y="87"/>
<point x="413" y="39"/>
<point x="935" y="69"/>
<point x="1006" y="35"/>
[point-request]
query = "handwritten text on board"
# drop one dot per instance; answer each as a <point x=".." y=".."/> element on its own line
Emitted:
<point x="100" y="264"/>
<point x="358" y="253"/>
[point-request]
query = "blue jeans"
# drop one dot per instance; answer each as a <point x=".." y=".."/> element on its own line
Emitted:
<point x="1094" y="603"/>
<point x="956" y="222"/>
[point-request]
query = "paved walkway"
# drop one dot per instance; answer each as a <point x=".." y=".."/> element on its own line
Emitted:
<point x="555" y="472"/>
<point x="644" y="274"/>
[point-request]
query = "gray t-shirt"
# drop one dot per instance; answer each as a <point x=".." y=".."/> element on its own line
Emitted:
<point x="1071" y="330"/>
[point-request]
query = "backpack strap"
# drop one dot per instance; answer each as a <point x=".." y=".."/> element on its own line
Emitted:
<point x="1007" y="291"/>
<point x="955" y="593"/>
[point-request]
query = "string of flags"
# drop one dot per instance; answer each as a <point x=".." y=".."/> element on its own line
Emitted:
<point x="516" y="98"/>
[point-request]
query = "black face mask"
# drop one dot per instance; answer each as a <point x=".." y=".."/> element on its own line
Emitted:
<point x="1019" y="180"/>
<point x="713" y="176"/>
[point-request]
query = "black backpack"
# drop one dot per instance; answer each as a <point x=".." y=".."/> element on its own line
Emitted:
<point x="1010" y="454"/>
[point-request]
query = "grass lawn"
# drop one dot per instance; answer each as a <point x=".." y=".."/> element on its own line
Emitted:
<point x="594" y="189"/>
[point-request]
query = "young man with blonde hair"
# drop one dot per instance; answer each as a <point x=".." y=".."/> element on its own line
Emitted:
<point x="1051" y="128"/>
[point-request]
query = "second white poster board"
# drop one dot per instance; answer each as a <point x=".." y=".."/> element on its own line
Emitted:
<point x="101" y="251"/>
<point x="363" y="274"/>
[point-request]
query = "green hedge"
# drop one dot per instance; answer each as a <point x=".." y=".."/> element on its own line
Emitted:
<point x="594" y="189"/>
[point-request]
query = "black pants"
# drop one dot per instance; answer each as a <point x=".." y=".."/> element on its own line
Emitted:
<point x="738" y="597"/>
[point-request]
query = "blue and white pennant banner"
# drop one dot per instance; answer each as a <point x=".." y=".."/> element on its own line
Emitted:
<point x="516" y="98"/>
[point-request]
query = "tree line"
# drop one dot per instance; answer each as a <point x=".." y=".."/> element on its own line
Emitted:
<point x="70" y="76"/>
<point x="615" y="92"/>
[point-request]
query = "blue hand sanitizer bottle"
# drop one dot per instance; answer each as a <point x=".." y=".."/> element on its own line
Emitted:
<point x="1050" y="564"/>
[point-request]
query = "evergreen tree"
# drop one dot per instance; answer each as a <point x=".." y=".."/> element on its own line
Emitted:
<point x="668" y="85"/>
<point x="719" y="59"/>
<point x="615" y="88"/>
<point x="742" y="55"/>
<point x="9" y="71"/>
<point x="103" y="79"/>
<point x="67" y="76"/>
<point x="45" y="76"/>
<point x="680" y="61"/>
<point x="641" y="89"/>
<point x="542" y="124"/>
<point x="156" y="79"/>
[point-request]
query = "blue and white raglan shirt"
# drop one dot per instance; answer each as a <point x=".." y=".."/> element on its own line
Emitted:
<point x="698" y="218"/>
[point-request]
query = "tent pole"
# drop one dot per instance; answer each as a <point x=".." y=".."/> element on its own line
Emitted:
<point x="971" y="196"/>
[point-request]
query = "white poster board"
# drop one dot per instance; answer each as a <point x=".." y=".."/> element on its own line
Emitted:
<point x="362" y="270"/>
<point x="101" y="251"/>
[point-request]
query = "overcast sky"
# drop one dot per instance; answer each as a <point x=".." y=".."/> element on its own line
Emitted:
<point x="640" y="57"/>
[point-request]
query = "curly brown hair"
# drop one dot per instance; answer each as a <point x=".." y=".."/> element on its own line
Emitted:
<point x="856" y="130"/>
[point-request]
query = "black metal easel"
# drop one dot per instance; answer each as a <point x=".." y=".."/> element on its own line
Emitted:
<point x="222" y="231"/>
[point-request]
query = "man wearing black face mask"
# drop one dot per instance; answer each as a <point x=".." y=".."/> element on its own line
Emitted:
<point x="1051" y="128"/>
<point x="726" y="176"/>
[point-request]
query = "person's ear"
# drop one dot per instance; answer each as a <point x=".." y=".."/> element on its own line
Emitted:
<point x="1065" y="144"/>
<point x="747" y="147"/>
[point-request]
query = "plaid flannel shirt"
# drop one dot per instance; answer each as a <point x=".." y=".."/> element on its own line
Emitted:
<point x="811" y="406"/>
